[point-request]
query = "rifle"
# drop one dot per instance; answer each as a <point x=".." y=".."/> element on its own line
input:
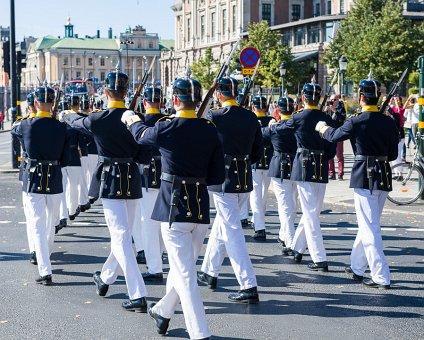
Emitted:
<point x="247" y="87"/>
<point x="141" y="86"/>
<point x="270" y="97"/>
<point x="392" y="92"/>
<point x="330" y="87"/>
<point x="209" y="96"/>
<point x="57" y="98"/>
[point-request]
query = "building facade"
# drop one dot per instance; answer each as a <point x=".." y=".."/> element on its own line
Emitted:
<point x="75" y="57"/>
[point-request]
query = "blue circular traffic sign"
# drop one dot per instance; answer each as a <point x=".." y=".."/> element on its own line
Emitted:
<point x="249" y="57"/>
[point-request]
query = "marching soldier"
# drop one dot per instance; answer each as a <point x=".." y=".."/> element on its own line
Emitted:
<point x="371" y="180"/>
<point x="83" y="199"/>
<point x="280" y="171"/>
<point x="151" y="173"/>
<point x="259" y="194"/>
<point x="310" y="171"/>
<point x="241" y="138"/>
<point x="192" y="158"/>
<point x="45" y="141"/>
<point x="117" y="181"/>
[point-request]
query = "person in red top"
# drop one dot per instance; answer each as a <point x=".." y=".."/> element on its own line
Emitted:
<point x="398" y="112"/>
<point x="1" y="120"/>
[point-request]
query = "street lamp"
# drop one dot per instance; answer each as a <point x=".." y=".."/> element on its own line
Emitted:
<point x="127" y="43"/>
<point x="342" y="67"/>
<point x="283" y="71"/>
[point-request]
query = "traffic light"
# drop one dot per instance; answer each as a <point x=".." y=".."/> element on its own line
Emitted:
<point x="20" y="62"/>
<point x="6" y="57"/>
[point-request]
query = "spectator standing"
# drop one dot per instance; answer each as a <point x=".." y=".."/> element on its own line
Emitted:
<point x="1" y="120"/>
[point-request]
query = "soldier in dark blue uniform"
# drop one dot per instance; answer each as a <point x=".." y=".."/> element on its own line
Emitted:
<point x="280" y="171"/>
<point x="192" y="158"/>
<point x="147" y="234"/>
<point x="117" y="181"/>
<point x="84" y="184"/>
<point x="374" y="139"/>
<point x="261" y="181"/>
<point x="45" y="141"/>
<point x="310" y="171"/>
<point x="241" y="137"/>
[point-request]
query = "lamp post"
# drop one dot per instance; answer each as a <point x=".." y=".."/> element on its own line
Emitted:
<point x="283" y="71"/>
<point x="127" y="43"/>
<point x="420" y="141"/>
<point x="342" y="67"/>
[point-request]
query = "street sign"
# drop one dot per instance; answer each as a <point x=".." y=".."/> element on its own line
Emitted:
<point x="249" y="56"/>
<point x="247" y="71"/>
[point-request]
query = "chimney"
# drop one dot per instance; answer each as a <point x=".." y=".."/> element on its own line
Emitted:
<point x="98" y="34"/>
<point x="109" y="33"/>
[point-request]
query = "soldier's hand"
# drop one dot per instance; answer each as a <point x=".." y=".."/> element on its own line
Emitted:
<point x="129" y="117"/>
<point x="320" y="126"/>
<point x="272" y="122"/>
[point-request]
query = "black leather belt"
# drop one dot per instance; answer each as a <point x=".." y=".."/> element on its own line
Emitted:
<point x="305" y="154"/>
<point x="177" y="181"/>
<point x="310" y="151"/>
<point x="371" y="160"/>
<point x="107" y="164"/>
<point x="228" y="159"/>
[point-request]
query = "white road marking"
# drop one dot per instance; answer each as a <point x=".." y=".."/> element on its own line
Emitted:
<point x="389" y="229"/>
<point x="329" y="228"/>
<point x="354" y="229"/>
<point x="82" y="223"/>
<point x="7" y="207"/>
<point x="5" y="222"/>
<point x="21" y="222"/>
<point x="414" y="229"/>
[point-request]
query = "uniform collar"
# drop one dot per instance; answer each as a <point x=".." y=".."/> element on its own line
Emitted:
<point x="152" y="111"/>
<point x="43" y="114"/>
<point x="116" y="104"/>
<point x="311" y="107"/>
<point x="369" y="108"/>
<point x="260" y="114"/>
<point x="32" y="115"/>
<point x="230" y="102"/>
<point x="285" y="117"/>
<point x="186" y="114"/>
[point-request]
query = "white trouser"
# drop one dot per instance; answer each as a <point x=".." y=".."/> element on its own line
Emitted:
<point x="399" y="157"/>
<point x="136" y="228"/>
<point x="43" y="211"/>
<point x="91" y="167"/>
<point x="368" y="246"/>
<point x="28" y="222"/>
<point x="311" y="197"/>
<point x="119" y="215"/>
<point x="244" y="209"/>
<point x="286" y="195"/>
<point x="183" y="242"/>
<point x="151" y="232"/>
<point x="63" y="208"/>
<point x="259" y="196"/>
<point x="83" y="186"/>
<point x="227" y="236"/>
<point x="74" y="178"/>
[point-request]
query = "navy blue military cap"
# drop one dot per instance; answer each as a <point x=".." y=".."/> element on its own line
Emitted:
<point x="84" y="103"/>
<point x="259" y="102"/>
<point x="44" y="94"/>
<point x="64" y="105"/>
<point x="187" y="89"/>
<point x="312" y="90"/>
<point x="228" y="87"/>
<point x="30" y="99"/>
<point x="369" y="87"/>
<point x="152" y="93"/>
<point x="74" y="100"/>
<point x="285" y="104"/>
<point x="117" y="81"/>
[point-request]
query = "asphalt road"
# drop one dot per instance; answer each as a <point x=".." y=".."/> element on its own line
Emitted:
<point x="295" y="303"/>
<point x="5" y="148"/>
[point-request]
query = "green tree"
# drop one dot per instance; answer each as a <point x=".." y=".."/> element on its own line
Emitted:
<point x="375" y="36"/>
<point x="204" y="69"/>
<point x="273" y="52"/>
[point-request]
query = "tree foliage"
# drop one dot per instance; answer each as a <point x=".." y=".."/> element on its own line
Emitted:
<point x="375" y="36"/>
<point x="204" y="69"/>
<point x="273" y="52"/>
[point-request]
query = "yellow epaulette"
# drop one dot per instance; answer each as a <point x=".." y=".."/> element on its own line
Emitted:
<point x="209" y="121"/>
<point x="164" y="118"/>
<point x="298" y="111"/>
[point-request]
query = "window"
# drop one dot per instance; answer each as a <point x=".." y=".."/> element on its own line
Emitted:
<point x="342" y="6"/>
<point x="286" y="38"/>
<point x="102" y="76"/>
<point x="102" y="61"/>
<point x="329" y="7"/>
<point x="224" y="21"/>
<point x="78" y="74"/>
<point x="234" y="18"/>
<point x="313" y="34"/>
<point x="266" y="13"/>
<point x="317" y="9"/>
<point x="90" y="61"/>
<point x="213" y="25"/>
<point x="299" y="36"/>
<point x="65" y="61"/>
<point x="328" y="32"/>
<point x="78" y="61"/>
<point x="295" y="12"/>
<point x="188" y="30"/>
<point x="202" y="27"/>
<point x="150" y="44"/>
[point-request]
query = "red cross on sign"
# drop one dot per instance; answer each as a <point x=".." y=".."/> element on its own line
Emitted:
<point x="249" y="57"/>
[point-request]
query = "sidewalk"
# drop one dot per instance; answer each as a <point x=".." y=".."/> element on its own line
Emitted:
<point x="6" y="126"/>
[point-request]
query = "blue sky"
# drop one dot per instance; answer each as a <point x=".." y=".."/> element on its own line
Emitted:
<point x="48" y="17"/>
